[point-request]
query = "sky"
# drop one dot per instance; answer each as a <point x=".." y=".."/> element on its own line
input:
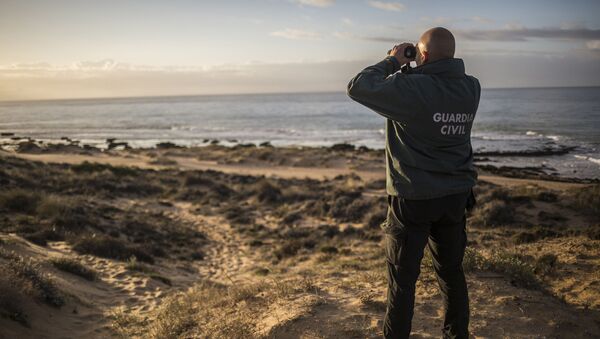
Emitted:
<point x="119" y="48"/>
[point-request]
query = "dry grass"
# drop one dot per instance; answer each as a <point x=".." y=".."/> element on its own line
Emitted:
<point x="376" y="216"/>
<point x="534" y="234"/>
<point x="214" y="311"/>
<point x="75" y="267"/>
<point x="515" y="266"/>
<point x="207" y="311"/>
<point x="91" y="167"/>
<point x="163" y="161"/>
<point x="43" y="217"/>
<point x="19" y="200"/>
<point x="586" y="199"/>
<point x="266" y="192"/>
<point x="309" y="234"/>
<point x="25" y="275"/>
<point x="134" y="265"/>
<point x="493" y="213"/>
<point x="11" y="300"/>
<point x="107" y="247"/>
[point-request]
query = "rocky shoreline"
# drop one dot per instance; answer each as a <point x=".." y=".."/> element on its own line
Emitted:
<point x="66" y="145"/>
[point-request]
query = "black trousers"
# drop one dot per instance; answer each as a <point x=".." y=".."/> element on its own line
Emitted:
<point x="411" y="225"/>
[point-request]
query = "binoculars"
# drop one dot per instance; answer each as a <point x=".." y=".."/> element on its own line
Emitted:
<point x="410" y="52"/>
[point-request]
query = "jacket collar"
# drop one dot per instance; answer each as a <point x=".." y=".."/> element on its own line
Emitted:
<point x="451" y="67"/>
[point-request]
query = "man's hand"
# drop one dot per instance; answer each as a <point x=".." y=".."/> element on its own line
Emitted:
<point x="398" y="53"/>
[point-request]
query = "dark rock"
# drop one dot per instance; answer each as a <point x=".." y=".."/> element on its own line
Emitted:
<point x="167" y="145"/>
<point x="115" y="144"/>
<point x="343" y="147"/>
<point x="28" y="147"/>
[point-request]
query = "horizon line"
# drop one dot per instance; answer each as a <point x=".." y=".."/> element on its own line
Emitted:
<point x="249" y="94"/>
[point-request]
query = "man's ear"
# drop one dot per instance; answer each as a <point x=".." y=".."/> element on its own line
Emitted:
<point x="424" y="56"/>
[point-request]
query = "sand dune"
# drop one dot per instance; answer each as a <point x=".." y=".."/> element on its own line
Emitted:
<point x="244" y="256"/>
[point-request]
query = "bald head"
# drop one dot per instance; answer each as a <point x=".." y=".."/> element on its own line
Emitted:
<point x="435" y="44"/>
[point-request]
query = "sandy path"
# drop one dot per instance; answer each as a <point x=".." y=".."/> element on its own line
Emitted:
<point x="225" y="256"/>
<point x="188" y="163"/>
<point x="120" y="289"/>
<point x="89" y="304"/>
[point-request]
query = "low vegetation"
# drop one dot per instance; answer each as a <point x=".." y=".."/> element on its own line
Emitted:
<point x="305" y="232"/>
<point x="220" y="315"/>
<point x="107" y="247"/>
<point x="49" y="203"/>
<point x="586" y="199"/>
<point x="73" y="266"/>
<point x="25" y="276"/>
<point x="523" y="270"/>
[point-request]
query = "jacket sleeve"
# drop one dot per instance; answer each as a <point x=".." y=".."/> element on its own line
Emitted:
<point x="382" y="89"/>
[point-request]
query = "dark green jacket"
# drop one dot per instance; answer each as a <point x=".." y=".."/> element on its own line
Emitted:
<point x="429" y="111"/>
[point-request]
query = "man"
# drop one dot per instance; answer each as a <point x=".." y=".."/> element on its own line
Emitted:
<point x="430" y="111"/>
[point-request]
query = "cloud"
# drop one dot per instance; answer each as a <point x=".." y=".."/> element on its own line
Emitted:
<point x="443" y="20"/>
<point x="511" y="33"/>
<point x="27" y="66"/>
<point x="296" y="34"/>
<point x="593" y="45"/>
<point x="482" y="20"/>
<point x="45" y="81"/>
<point x="387" y="6"/>
<point x="106" y="64"/>
<point x="519" y="33"/>
<point x="352" y="36"/>
<point x="348" y="21"/>
<point x="23" y="82"/>
<point x="440" y="20"/>
<point x="316" y="3"/>
<point x="89" y="67"/>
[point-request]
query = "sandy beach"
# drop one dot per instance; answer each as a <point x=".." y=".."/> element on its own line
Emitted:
<point x="271" y="242"/>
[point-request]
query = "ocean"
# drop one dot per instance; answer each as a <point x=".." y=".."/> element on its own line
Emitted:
<point x="554" y="129"/>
